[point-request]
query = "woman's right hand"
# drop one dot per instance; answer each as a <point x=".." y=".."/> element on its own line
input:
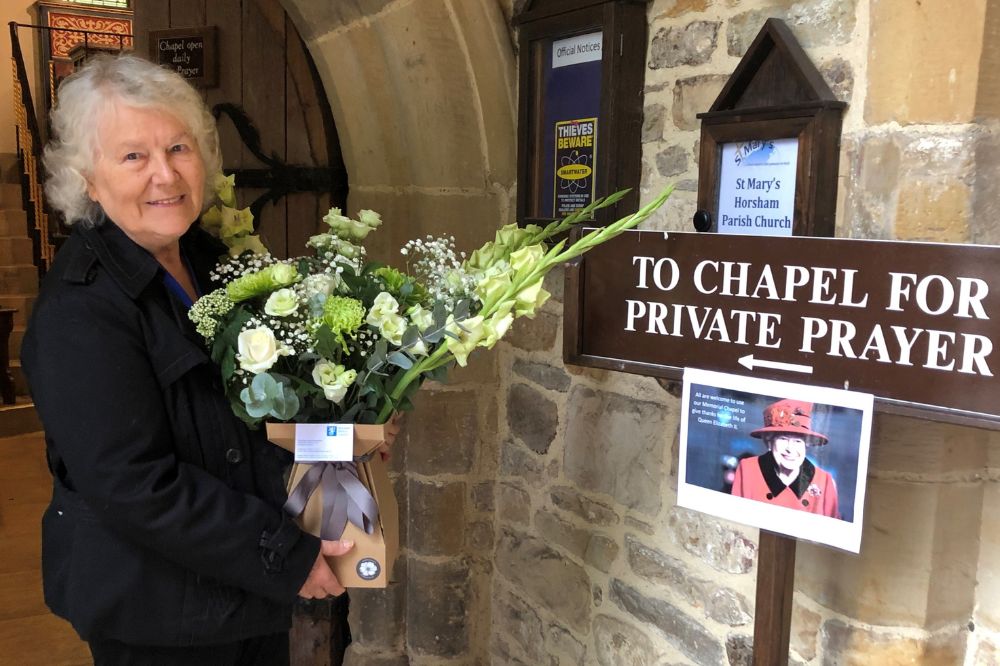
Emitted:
<point x="321" y="582"/>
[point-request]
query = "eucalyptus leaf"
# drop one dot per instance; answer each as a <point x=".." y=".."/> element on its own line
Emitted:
<point x="401" y="360"/>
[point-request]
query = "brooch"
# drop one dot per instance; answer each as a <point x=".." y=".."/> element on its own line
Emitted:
<point x="814" y="490"/>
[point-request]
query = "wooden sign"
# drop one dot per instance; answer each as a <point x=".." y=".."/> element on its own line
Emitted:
<point x="911" y="323"/>
<point x="191" y="52"/>
<point x="770" y="144"/>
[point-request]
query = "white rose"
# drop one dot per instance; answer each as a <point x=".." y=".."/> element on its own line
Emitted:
<point x="258" y="350"/>
<point x="281" y="303"/>
<point x="424" y="319"/>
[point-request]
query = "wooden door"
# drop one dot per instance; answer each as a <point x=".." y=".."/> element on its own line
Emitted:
<point x="266" y="71"/>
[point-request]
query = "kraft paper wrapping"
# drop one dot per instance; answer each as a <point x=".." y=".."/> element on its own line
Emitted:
<point x="369" y="563"/>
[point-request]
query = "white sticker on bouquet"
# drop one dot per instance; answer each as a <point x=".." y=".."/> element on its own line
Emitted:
<point x="324" y="442"/>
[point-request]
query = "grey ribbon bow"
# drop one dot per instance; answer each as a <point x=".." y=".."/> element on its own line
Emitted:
<point x="344" y="498"/>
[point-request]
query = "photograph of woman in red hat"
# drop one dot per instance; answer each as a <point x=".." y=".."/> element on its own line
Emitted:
<point x="794" y="466"/>
<point x="784" y="476"/>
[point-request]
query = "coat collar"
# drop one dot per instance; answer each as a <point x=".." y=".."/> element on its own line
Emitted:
<point x="769" y="470"/>
<point x="133" y="268"/>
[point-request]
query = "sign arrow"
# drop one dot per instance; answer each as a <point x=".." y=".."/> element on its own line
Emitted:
<point x="749" y="362"/>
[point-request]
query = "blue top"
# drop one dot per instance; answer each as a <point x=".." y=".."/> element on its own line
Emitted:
<point x="175" y="287"/>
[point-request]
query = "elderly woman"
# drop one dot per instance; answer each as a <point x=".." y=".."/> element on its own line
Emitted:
<point x="165" y="541"/>
<point x="784" y="476"/>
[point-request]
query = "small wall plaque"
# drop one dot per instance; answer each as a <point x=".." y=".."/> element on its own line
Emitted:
<point x="191" y="52"/>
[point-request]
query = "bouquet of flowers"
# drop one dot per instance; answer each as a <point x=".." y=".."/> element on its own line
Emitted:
<point x="333" y="337"/>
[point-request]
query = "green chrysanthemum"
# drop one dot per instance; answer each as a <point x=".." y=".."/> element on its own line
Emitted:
<point x="208" y="311"/>
<point x="262" y="282"/>
<point x="342" y="316"/>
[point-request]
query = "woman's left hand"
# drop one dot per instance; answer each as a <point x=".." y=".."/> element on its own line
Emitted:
<point x="392" y="428"/>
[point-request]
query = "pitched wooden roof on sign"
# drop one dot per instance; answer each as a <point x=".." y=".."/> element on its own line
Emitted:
<point x="774" y="72"/>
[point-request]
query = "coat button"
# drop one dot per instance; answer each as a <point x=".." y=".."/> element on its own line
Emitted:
<point x="234" y="456"/>
<point x="770" y="496"/>
<point x="805" y="502"/>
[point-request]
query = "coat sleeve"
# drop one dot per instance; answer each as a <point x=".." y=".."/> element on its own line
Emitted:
<point x="103" y="412"/>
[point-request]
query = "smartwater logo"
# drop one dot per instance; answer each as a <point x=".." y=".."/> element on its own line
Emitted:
<point x="331" y="431"/>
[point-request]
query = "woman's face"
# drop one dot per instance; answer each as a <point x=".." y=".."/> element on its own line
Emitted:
<point x="148" y="174"/>
<point x="789" y="451"/>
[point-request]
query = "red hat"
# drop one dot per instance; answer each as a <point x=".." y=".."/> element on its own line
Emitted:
<point x="792" y="417"/>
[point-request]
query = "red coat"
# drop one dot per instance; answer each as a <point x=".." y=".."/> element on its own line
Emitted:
<point x="814" y="490"/>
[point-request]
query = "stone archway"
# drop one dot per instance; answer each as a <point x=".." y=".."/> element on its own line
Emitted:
<point x="424" y="98"/>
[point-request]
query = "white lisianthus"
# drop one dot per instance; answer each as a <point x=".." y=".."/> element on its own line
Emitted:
<point x="281" y="303"/>
<point x="383" y="306"/>
<point x="333" y="379"/>
<point x="418" y="348"/>
<point x="392" y="328"/>
<point x="258" y="349"/>
<point x="421" y="318"/>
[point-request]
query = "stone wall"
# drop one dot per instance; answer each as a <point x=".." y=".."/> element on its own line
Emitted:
<point x="594" y="563"/>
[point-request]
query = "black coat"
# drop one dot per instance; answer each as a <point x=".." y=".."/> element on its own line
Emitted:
<point x="165" y="525"/>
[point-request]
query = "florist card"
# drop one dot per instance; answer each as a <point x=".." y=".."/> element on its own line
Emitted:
<point x="789" y="458"/>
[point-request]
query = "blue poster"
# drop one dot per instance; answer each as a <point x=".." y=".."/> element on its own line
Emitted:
<point x="571" y="81"/>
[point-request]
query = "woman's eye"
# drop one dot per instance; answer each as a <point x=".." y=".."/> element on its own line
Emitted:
<point x="131" y="157"/>
<point x="178" y="148"/>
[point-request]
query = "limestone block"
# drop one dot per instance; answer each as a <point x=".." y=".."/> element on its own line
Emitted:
<point x="988" y="589"/>
<point x="934" y="213"/>
<point x="728" y="607"/>
<point x="353" y="67"/>
<point x="516" y="461"/>
<point x="314" y="19"/>
<point x="513" y="504"/>
<point x="675" y="8"/>
<point x="839" y="75"/>
<point x="377" y="615"/>
<point x="547" y="376"/>
<point x="361" y="657"/>
<point x="442" y="434"/>
<point x="492" y="60"/>
<point x="925" y="449"/>
<point x="680" y="629"/>
<point x="671" y="161"/>
<point x="601" y="552"/>
<point x="558" y="532"/>
<point x="554" y="283"/>
<point x="872" y="184"/>
<point x="932" y="75"/>
<point x="546" y="576"/>
<point x="532" y="417"/>
<point x="721" y="547"/>
<point x="813" y="22"/>
<point x="562" y="648"/>
<point x="520" y="627"/>
<point x="986" y="195"/>
<point x="619" y="644"/>
<point x="692" y="44"/>
<point x="481" y="369"/>
<point x="858" y="646"/>
<point x="437" y="517"/>
<point x="653" y="121"/>
<point x="481" y="535"/>
<point x="538" y="334"/>
<point x="427" y="67"/>
<point x="436" y="617"/>
<point x="615" y="445"/>
<point x="805" y="630"/>
<point x="918" y="557"/>
<point x="482" y="496"/>
<point x="739" y="649"/>
<point x="667" y="572"/>
<point x="692" y="96"/>
<point x="594" y="512"/>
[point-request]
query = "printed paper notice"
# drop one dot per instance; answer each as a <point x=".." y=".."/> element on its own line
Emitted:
<point x="576" y="154"/>
<point x="757" y="187"/>
<point x="324" y="442"/>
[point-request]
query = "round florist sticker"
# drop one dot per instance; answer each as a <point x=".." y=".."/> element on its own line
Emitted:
<point x="368" y="569"/>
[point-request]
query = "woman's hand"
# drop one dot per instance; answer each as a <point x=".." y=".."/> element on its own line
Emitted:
<point x="321" y="582"/>
<point x="392" y="428"/>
